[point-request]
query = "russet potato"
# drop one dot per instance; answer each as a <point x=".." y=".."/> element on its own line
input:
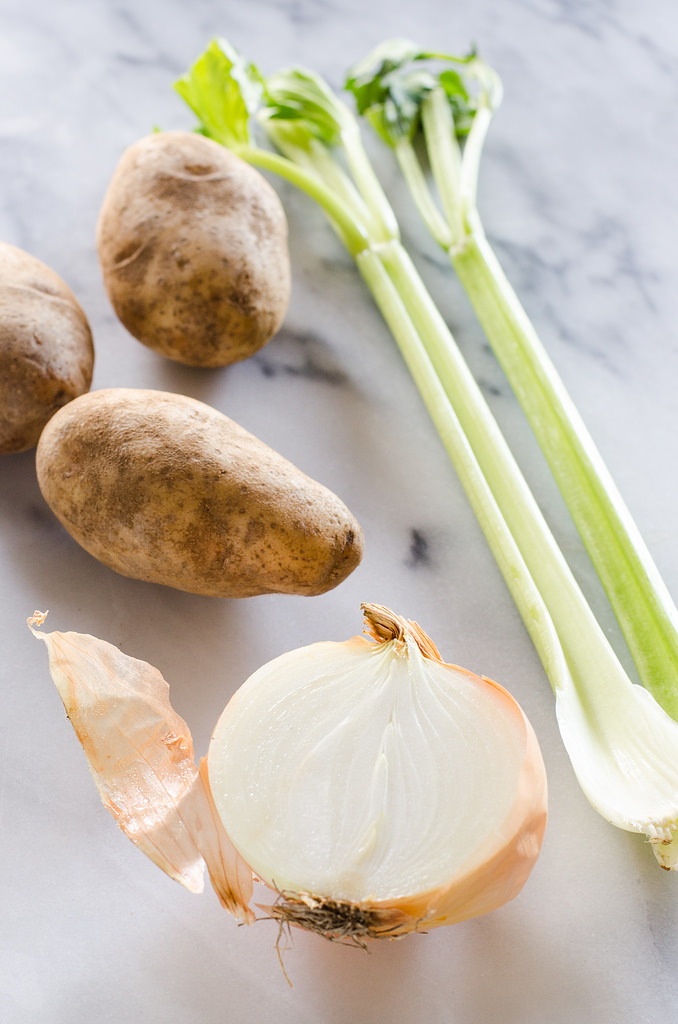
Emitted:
<point x="163" y="488"/>
<point x="192" y="243"/>
<point x="46" y="348"/>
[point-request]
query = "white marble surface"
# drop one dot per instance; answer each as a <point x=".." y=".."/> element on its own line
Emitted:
<point x="578" y="194"/>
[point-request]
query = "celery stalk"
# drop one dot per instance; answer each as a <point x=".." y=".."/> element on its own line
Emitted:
<point x="638" y="595"/>
<point x="642" y="604"/>
<point x="621" y="743"/>
<point x="629" y="777"/>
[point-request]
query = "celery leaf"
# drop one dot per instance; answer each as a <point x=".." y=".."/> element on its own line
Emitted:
<point x="390" y="85"/>
<point x="223" y="90"/>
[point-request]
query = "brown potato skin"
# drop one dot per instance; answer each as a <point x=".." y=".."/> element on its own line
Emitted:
<point x="46" y="348"/>
<point x="192" y="243"/>
<point x="163" y="488"/>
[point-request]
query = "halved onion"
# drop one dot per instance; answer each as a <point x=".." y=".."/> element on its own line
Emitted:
<point x="377" y="789"/>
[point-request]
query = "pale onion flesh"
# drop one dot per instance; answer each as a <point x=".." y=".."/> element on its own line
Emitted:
<point x="377" y="789"/>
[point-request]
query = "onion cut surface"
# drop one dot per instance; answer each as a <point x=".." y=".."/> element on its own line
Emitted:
<point x="377" y="789"/>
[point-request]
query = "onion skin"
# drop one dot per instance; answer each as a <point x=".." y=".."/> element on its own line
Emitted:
<point x="140" y="755"/>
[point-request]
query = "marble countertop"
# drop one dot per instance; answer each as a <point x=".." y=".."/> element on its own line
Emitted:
<point x="577" y="193"/>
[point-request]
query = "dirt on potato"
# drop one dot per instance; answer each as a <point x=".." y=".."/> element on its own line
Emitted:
<point x="192" y="243"/>
<point x="46" y="348"/>
<point x="163" y="488"/>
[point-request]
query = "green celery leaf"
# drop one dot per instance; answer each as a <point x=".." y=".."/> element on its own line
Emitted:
<point x="461" y="103"/>
<point x="390" y="92"/>
<point x="302" y="96"/>
<point x="365" y="80"/>
<point x="223" y="90"/>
